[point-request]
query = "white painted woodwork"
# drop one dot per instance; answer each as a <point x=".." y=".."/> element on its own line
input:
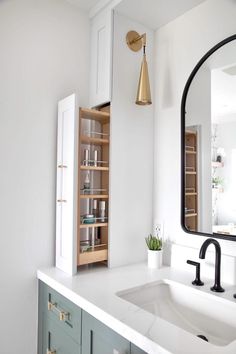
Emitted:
<point x="66" y="203"/>
<point x="101" y="4"/>
<point x="101" y="57"/>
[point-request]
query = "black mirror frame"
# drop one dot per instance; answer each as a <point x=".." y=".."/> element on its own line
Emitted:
<point x="183" y="112"/>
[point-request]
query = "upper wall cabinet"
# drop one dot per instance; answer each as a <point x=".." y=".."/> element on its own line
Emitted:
<point x="101" y="57"/>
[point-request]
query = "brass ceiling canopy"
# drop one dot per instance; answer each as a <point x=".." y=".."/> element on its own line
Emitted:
<point x="135" y="42"/>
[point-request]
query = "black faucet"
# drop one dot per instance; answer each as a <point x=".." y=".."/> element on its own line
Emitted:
<point x="217" y="287"/>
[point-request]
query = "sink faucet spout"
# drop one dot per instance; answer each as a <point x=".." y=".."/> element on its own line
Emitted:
<point x="217" y="286"/>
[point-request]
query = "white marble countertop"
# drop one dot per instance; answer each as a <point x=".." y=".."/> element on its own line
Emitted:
<point x="95" y="292"/>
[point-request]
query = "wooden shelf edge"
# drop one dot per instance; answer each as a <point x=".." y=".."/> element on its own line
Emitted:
<point x="90" y="140"/>
<point x="190" y="152"/>
<point x="101" y="116"/>
<point x="97" y="255"/>
<point x="94" y="196"/>
<point x="190" y="215"/>
<point x="100" y="224"/>
<point x="190" y="132"/>
<point x="92" y="168"/>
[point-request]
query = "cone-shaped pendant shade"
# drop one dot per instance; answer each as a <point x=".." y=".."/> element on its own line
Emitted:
<point x="144" y="92"/>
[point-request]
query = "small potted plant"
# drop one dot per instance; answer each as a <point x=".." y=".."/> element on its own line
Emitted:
<point x="154" y="245"/>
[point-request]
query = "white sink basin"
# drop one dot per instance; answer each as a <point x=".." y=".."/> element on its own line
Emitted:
<point x="194" y="311"/>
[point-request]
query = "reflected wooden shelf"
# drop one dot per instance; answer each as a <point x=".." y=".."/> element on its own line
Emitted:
<point x="190" y="172"/>
<point x="93" y="114"/>
<point x="94" y="168"/>
<point x="190" y="152"/>
<point x="94" y="196"/>
<point x="96" y="141"/>
<point x="190" y="132"/>
<point x="190" y="215"/>
<point x="98" y="254"/>
<point x="98" y="224"/>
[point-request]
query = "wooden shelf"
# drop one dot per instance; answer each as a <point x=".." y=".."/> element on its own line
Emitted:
<point x="190" y="215"/>
<point x="190" y="172"/>
<point x="96" y="141"/>
<point x="190" y="194"/>
<point x="93" y="114"/>
<point x="99" y="254"/>
<point x="190" y="132"/>
<point x="93" y="168"/>
<point x="94" y="196"/>
<point x="190" y="152"/>
<point x="100" y="224"/>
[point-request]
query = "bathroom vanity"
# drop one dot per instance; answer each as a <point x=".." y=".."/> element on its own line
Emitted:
<point x="133" y="309"/>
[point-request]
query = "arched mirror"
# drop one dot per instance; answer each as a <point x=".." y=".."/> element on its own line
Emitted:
<point x="208" y="144"/>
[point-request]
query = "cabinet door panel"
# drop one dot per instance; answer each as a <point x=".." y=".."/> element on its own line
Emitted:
<point x="101" y="57"/>
<point x="66" y="207"/>
<point x="99" y="339"/>
<point x="71" y="324"/>
<point x="54" y="339"/>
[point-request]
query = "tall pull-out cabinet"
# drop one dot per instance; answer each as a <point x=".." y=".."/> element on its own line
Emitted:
<point x="80" y="240"/>
<point x="191" y="181"/>
<point x="94" y="137"/>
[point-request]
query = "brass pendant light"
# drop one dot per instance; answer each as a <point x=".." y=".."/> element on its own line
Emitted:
<point x="135" y="42"/>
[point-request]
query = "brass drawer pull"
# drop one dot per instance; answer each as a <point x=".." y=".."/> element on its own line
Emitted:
<point x="62" y="166"/>
<point x="63" y="316"/>
<point x="51" y="351"/>
<point x="61" y="200"/>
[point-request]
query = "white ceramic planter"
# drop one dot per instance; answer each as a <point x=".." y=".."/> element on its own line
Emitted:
<point x="154" y="259"/>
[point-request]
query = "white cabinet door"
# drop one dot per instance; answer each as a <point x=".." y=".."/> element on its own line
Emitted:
<point x="101" y="57"/>
<point x="67" y="172"/>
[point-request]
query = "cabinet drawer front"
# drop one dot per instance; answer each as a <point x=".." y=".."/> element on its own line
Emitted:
<point x="56" y="341"/>
<point x="99" y="339"/>
<point x="66" y="314"/>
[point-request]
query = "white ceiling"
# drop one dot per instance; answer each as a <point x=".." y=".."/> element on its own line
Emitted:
<point x="155" y="13"/>
<point x="84" y="4"/>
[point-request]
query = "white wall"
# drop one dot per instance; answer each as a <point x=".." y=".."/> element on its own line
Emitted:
<point x="131" y="156"/>
<point x="179" y="46"/>
<point x="226" y="210"/>
<point x="44" y="57"/>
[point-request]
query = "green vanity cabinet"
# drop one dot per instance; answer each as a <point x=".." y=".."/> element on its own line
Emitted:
<point x="100" y="339"/>
<point x="59" y="323"/>
<point x="56" y="341"/>
<point x="63" y="328"/>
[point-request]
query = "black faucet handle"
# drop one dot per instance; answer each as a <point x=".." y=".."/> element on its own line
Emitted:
<point x="197" y="280"/>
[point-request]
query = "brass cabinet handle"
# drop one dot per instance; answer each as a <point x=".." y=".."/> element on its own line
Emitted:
<point x="63" y="315"/>
<point x="51" y="351"/>
<point x="61" y="200"/>
<point x="62" y="166"/>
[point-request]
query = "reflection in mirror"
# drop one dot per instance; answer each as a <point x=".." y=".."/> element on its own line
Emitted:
<point x="210" y="146"/>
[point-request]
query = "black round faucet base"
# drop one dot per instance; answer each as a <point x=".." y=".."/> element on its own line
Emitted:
<point x="217" y="289"/>
<point x="197" y="282"/>
<point x="235" y="296"/>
